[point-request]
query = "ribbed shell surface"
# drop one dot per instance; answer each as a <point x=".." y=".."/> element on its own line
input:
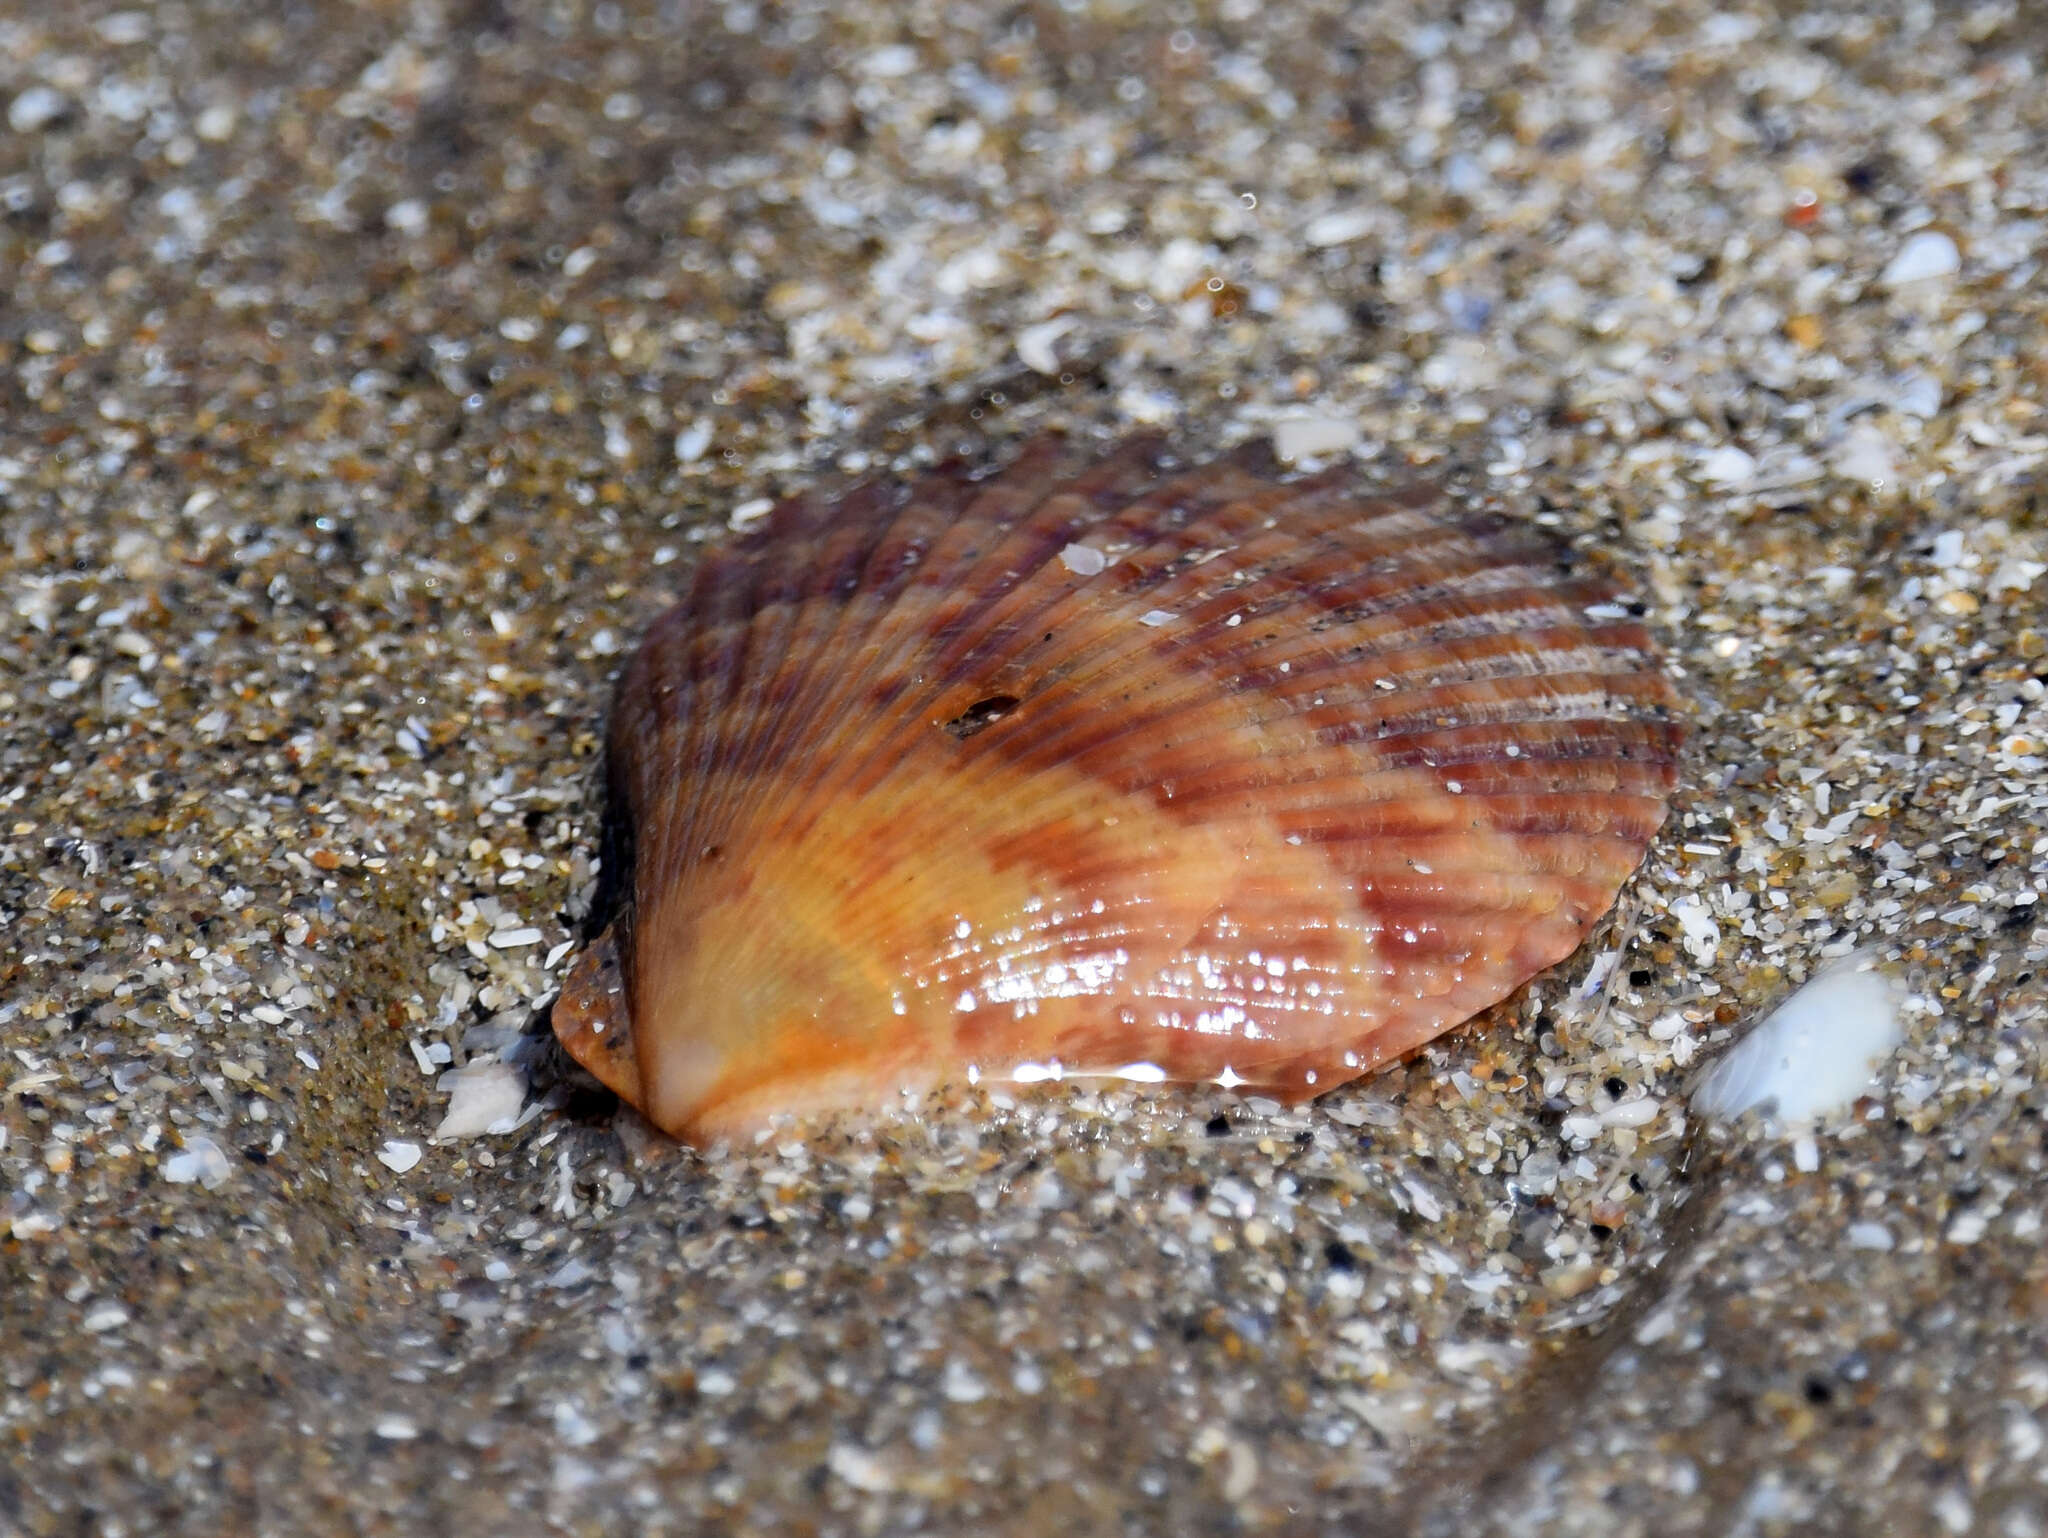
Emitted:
<point x="1099" y="767"/>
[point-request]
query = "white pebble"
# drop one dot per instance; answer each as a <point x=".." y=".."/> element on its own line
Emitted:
<point x="2015" y="575"/>
<point x="123" y="27"/>
<point x="1427" y="1207"/>
<point x="1811" y="1055"/>
<point x="514" y="939"/>
<point x="1338" y="228"/>
<point x="1035" y="344"/>
<point x="1927" y="254"/>
<point x="1864" y="454"/>
<point x="749" y="513"/>
<point x="892" y="62"/>
<point x="1631" y="1113"/>
<point x="1304" y="437"/>
<point x="1919" y="394"/>
<point x="1869" y="1236"/>
<point x="1727" y="466"/>
<point x="692" y="441"/>
<point x="408" y="217"/>
<point x="102" y="1317"/>
<point x="961" y="1385"/>
<point x="398" y="1156"/>
<point x="1702" y="934"/>
<point x="572" y="1426"/>
<point x="396" y="1428"/>
<point x="34" y="108"/>
<point x="859" y="1468"/>
<point x="1156" y="617"/>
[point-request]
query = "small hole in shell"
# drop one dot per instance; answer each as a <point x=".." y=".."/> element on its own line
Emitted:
<point x="981" y="715"/>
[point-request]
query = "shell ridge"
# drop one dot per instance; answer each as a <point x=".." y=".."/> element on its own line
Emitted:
<point x="1135" y="639"/>
<point x="1053" y="603"/>
<point x="1059" y="720"/>
<point x="1049" y="738"/>
<point x="804" y="616"/>
<point x="1049" y="747"/>
<point x="1001" y="502"/>
<point x="935" y="503"/>
<point x="717" y="668"/>
<point x="742" y="641"/>
<point x="745" y="555"/>
<point x="935" y="672"/>
<point x="771" y="632"/>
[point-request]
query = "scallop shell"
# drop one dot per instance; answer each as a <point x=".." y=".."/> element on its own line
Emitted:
<point x="1084" y="768"/>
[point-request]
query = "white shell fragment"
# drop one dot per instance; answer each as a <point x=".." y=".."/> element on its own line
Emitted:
<point x="35" y="108"/>
<point x="1305" y="437"/>
<point x="1928" y="254"/>
<point x="201" y="1160"/>
<point x="484" y="1097"/>
<point x="1083" y="560"/>
<point x="1865" y="454"/>
<point x="1814" y="1053"/>
<point x="1035" y="344"/>
<point x="1727" y="466"/>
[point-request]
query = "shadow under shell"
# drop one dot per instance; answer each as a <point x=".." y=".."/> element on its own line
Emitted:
<point x="1185" y="774"/>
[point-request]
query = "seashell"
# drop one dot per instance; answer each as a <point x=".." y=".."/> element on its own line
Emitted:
<point x="1104" y="768"/>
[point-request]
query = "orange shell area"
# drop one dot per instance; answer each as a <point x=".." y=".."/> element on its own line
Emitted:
<point x="1105" y="767"/>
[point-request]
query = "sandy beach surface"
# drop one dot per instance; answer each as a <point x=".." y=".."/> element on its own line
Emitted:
<point x="369" y="373"/>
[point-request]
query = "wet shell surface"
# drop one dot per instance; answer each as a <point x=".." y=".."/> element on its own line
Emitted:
<point x="1104" y="767"/>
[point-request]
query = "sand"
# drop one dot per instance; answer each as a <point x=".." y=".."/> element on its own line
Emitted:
<point x="372" y="372"/>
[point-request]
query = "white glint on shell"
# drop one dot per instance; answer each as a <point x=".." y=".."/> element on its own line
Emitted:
<point x="1230" y="1078"/>
<point x="1814" y="1053"/>
<point x="1140" y="1073"/>
<point x="1038" y="1073"/>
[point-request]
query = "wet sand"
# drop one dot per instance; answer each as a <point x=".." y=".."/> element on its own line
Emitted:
<point x="372" y="373"/>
